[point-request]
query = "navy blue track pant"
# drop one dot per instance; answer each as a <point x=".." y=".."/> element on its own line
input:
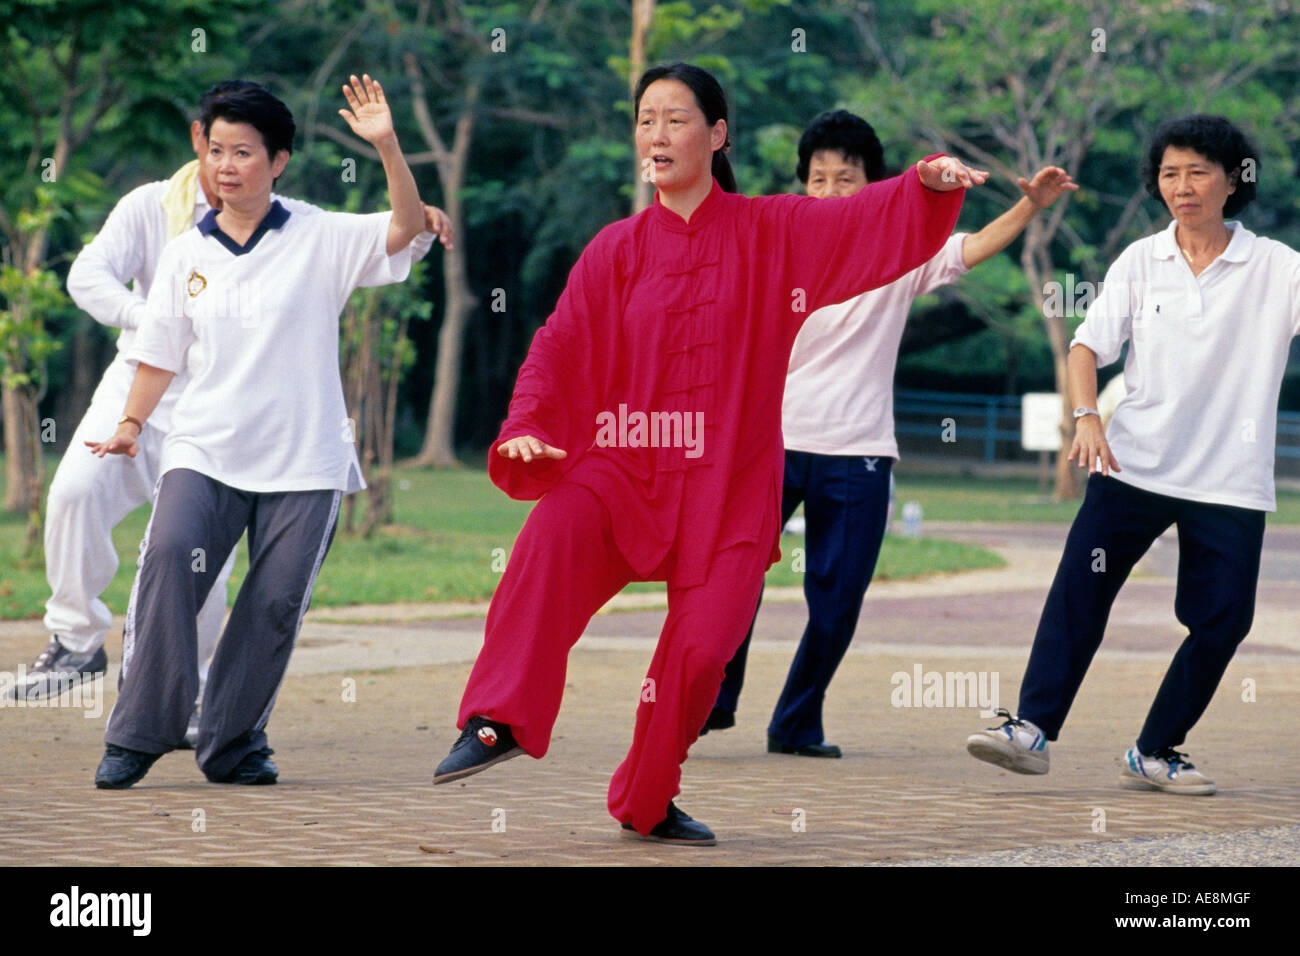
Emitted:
<point x="1218" y="570"/>
<point x="846" y="506"/>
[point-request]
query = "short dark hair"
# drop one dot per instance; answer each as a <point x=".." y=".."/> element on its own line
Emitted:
<point x="849" y="134"/>
<point x="1215" y="138"/>
<point x="239" y="101"/>
<point x="711" y="100"/>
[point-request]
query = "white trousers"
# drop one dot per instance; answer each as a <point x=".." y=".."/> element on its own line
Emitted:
<point x="88" y="497"/>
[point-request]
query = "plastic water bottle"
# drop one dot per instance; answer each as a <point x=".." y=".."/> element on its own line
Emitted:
<point x="912" y="519"/>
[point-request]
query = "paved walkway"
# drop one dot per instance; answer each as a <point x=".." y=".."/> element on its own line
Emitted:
<point x="369" y="705"/>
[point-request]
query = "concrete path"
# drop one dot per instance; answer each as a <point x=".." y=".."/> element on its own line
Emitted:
<point x="369" y="706"/>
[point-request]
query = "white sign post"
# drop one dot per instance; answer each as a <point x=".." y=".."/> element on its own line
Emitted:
<point x="1040" y="429"/>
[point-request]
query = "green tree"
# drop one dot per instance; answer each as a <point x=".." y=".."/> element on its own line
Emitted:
<point x="74" y="69"/>
<point x="1074" y="85"/>
<point x="27" y="298"/>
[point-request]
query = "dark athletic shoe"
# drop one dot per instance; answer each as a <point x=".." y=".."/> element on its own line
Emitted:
<point x="480" y="745"/>
<point x="719" y="719"/>
<point x="57" y="669"/>
<point x="822" y="749"/>
<point x="256" y="769"/>
<point x="676" y="828"/>
<point x="122" y="768"/>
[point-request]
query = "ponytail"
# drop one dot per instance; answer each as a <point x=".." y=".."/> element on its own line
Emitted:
<point x="722" y="171"/>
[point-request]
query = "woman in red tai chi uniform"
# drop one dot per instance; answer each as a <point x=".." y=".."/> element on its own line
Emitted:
<point x="647" y="419"/>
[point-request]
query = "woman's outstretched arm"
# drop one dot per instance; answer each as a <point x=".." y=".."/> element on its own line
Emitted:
<point x="371" y="119"/>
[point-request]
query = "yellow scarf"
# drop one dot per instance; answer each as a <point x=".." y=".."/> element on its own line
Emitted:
<point x="178" y="202"/>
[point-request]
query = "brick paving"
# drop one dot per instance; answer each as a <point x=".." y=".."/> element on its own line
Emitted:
<point x="356" y="774"/>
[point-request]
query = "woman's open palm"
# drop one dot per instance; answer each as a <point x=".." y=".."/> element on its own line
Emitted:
<point x="369" y="117"/>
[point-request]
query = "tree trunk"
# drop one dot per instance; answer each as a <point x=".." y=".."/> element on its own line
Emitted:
<point x="439" y="449"/>
<point x="372" y="426"/>
<point x="643" y="14"/>
<point x="388" y="427"/>
<point x="1036" y="262"/>
<point x="16" y="469"/>
<point x="24" y="465"/>
<point x="30" y="399"/>
<point x="1067" y="475"/>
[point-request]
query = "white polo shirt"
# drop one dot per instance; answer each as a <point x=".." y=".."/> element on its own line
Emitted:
<point x="257" y="331"/>
<point x="839" y="390"/>
<point x="1204" y="368"/>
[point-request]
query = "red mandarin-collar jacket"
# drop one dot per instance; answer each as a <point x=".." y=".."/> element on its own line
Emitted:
<point x="664" y="315"/>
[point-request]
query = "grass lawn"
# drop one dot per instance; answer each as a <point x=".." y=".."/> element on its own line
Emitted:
<point x="955" y="498"/>
<point x="453" y="531"/>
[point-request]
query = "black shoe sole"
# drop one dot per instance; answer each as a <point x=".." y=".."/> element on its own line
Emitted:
<point x="470" y="771"/>
<point x="260" y="781"/>
<point x="792" y="752"/>
<point x="778" y="748"/>
<point x="51" y="688"/>
<point x="629" y="833"/>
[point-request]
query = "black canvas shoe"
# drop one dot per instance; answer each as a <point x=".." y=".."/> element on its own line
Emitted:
<point x="56" y="669"/>
<point x="822" y="749"/>
<point x="676" y="828"/>
<point x="256" y="769"/>
<point x="121" y="767"/>
<point x="480" y="745"/>
<point x="719" y="719"/>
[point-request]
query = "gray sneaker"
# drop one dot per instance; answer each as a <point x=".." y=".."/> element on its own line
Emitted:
<point x="1166" y="770"/>
<point x="56" y="670"/>
<point x="1018" y="745"/>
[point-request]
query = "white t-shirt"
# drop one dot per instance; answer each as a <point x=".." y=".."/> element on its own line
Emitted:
<point x="839" y="390"/>
<point x="1204" y="368"/>
<point x="127" y="248"/>
<point x="257" y="333"/>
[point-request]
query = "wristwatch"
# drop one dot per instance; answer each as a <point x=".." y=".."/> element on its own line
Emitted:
<point x="1081" y="411"/>
<point x="134" y="421"/>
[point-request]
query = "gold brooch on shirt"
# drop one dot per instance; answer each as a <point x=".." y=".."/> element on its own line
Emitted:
<point x="195" y="283"/>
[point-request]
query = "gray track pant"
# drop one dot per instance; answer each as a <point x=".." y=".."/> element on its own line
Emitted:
<point x="196" y="523"/>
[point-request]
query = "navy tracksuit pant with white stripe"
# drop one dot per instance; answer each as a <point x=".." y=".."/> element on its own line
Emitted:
<point x="1218" y="569"/>
<point x="196" y="523"/>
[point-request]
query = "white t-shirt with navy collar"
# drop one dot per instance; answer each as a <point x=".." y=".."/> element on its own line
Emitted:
<point x="1205" y="363"/>
<point x="127" y="249"/>
<point x="256" y="329"/>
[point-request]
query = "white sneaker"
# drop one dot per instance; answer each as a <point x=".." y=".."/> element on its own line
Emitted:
<point x="1166" y="770"/>
<point x="1017" y="745"/>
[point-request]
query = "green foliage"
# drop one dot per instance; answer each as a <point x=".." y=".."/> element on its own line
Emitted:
<point x="1012" y="92"/>
<point x="552" y="160"/>
<point x="392" y="306"/>
<point x="28" y="300"/>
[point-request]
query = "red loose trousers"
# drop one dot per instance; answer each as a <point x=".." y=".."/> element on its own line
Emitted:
<point x="563" y="568"/>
